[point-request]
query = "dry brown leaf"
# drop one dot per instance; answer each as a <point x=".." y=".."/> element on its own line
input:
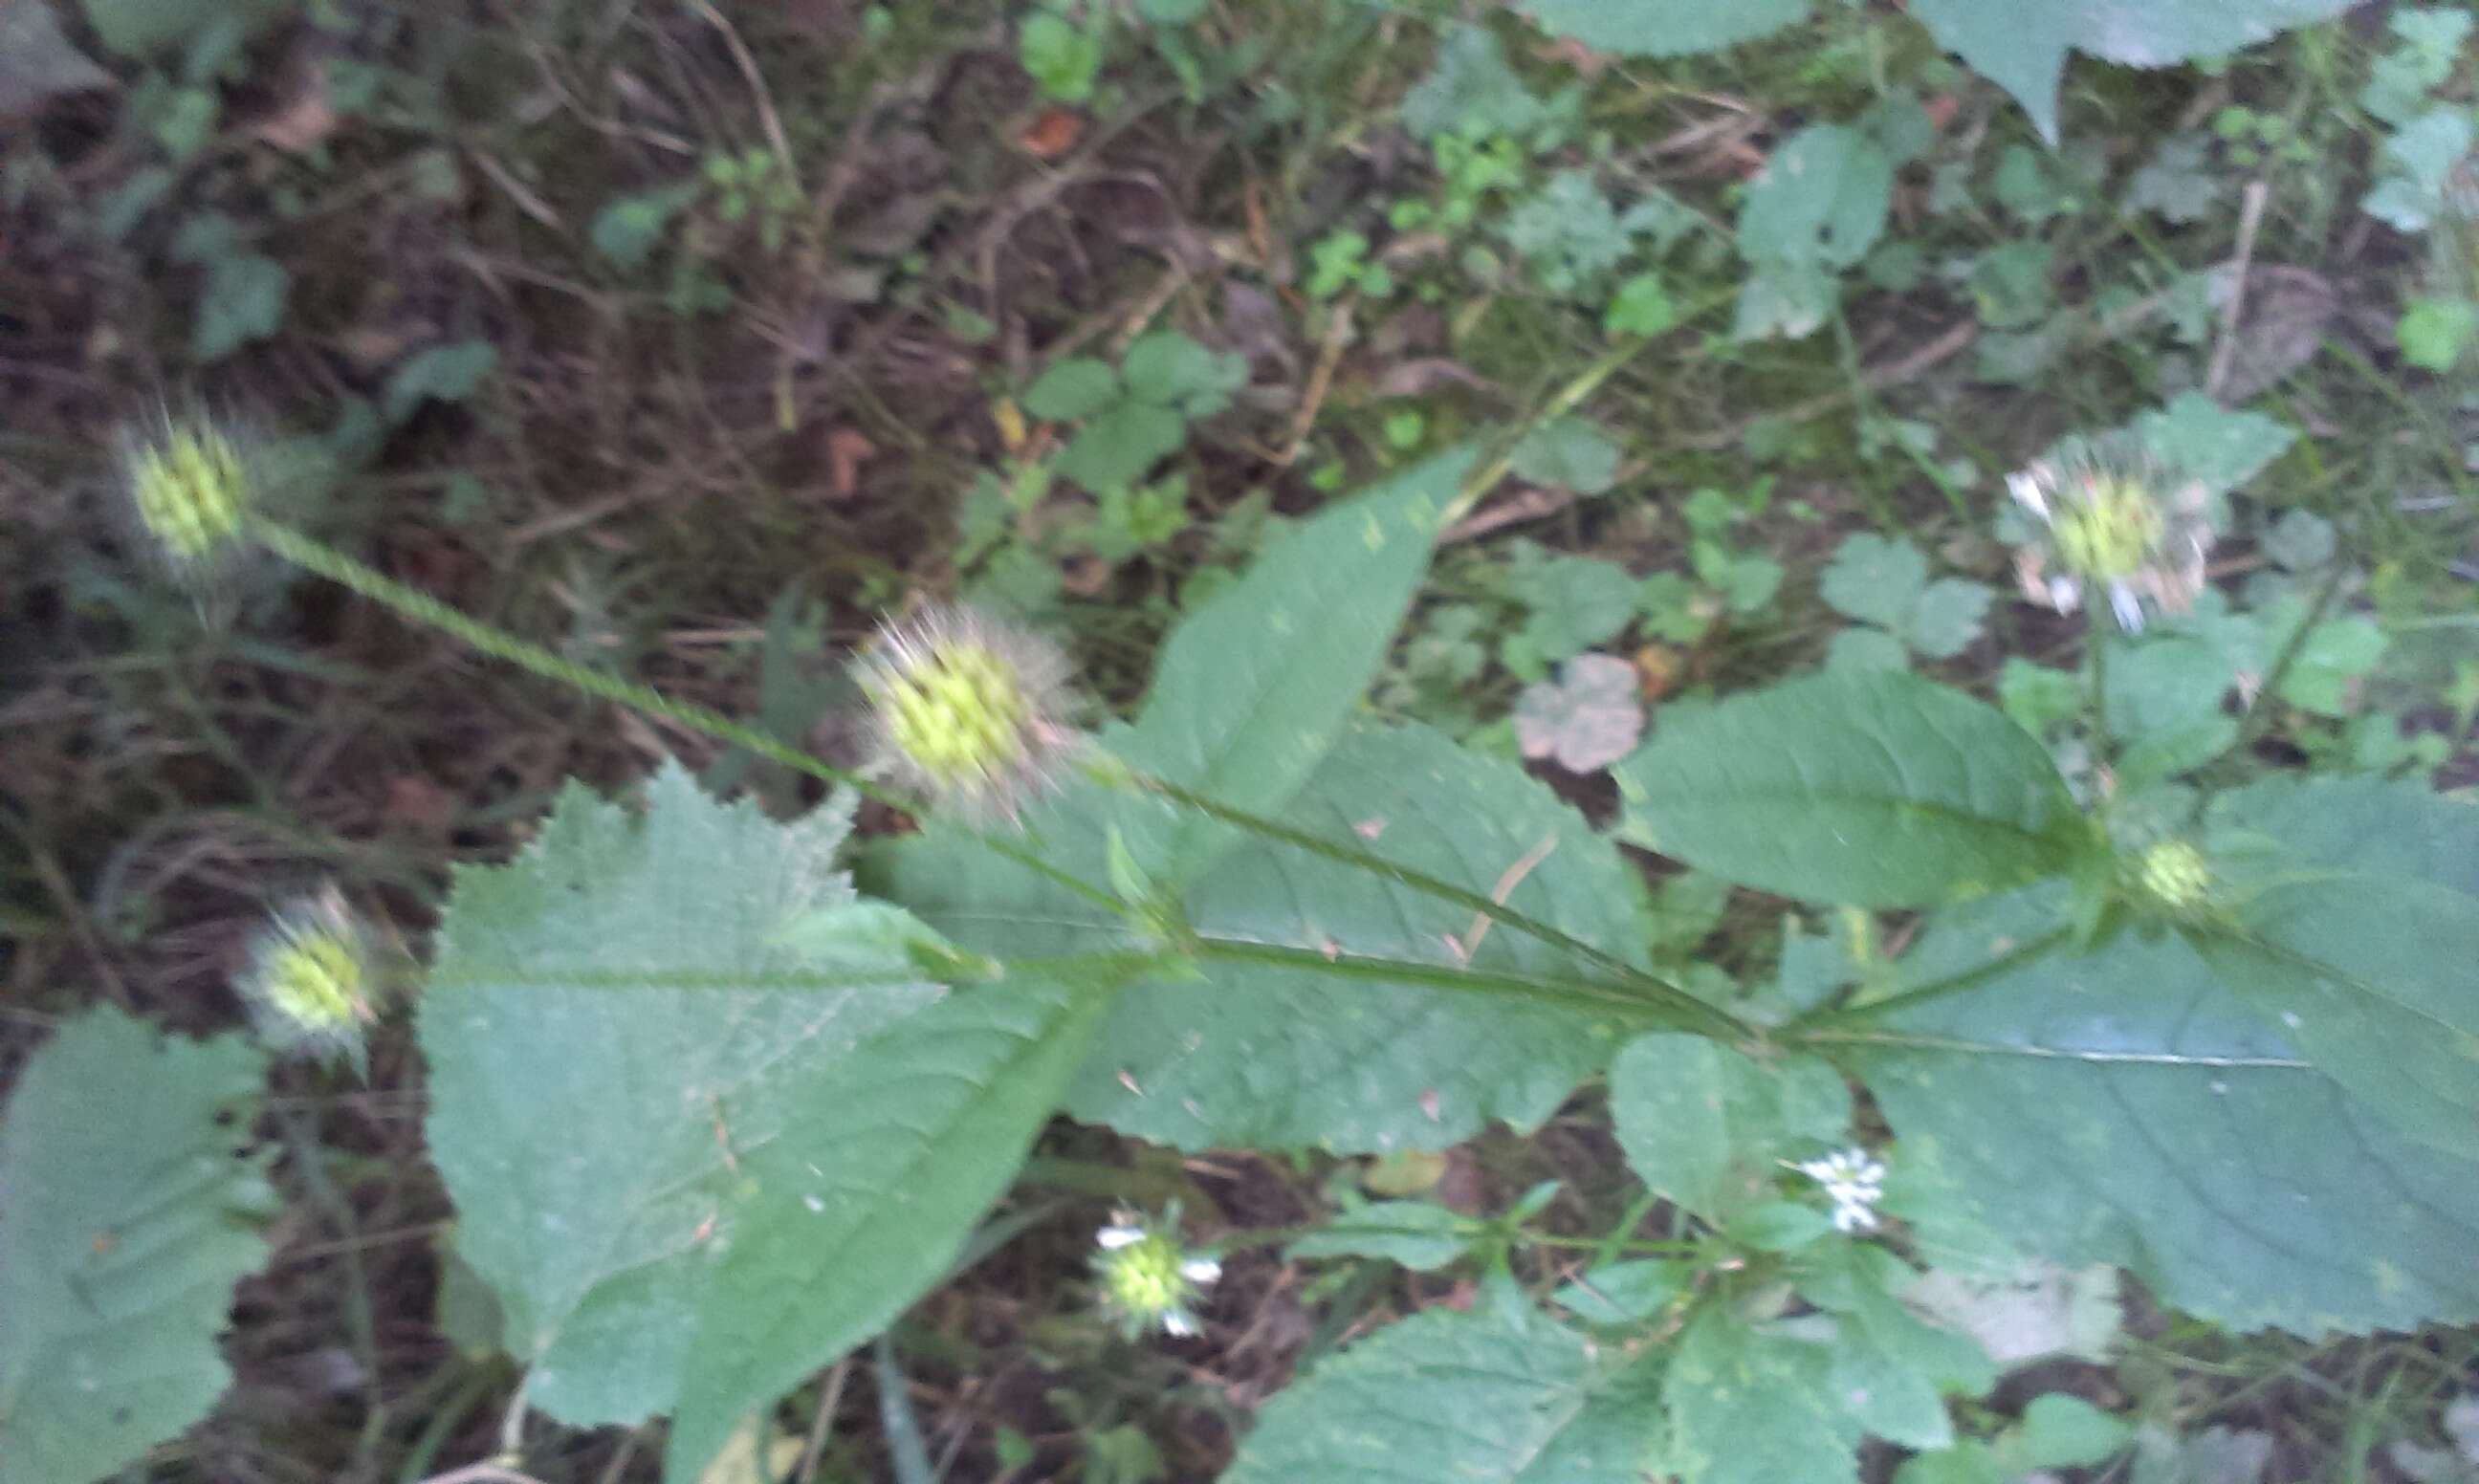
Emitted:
<point x="1053" y="133"/>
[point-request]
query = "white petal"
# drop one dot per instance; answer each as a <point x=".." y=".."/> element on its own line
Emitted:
<point x="1850" y="1217"/>
<point x="2065" y="594"/>
<point x="2127" y="607"/>
<point x="1111" y="1239"/>
<point x="1201" y="1270"/>
<point x="2026" y="490"/>
<point x="1175" y="1322"/>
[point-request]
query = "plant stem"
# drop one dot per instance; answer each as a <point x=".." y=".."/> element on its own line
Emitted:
<point x="2259" y="713"/>
<point x="1647" y="986"/>
<point x="410" y="602"/>
<point x="1493" y="468"/>
<point x="1645" y="995"/>
<point x="1823" y="1025"/>
<point x="1694" y="1016"/>
<point x="2096" y="635"/>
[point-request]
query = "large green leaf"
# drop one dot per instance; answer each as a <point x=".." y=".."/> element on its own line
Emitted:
<point x="1500" y="1394"/>
<point x="1706" y="1126"/>
<point x="1663" y="28"/>
<point x="2372" y="981"/>
<point x="2123" y="1106"/>
<point x="121" y="1234"/>
<point x="1254" y="687"/>
<point x="1274" y="1055"/>
<point x="2021" y="44"/>
<point x="2359" y="910"/>
<point x="865" y="1200"/>
<point x="1754" y="1404"/>
<point x="1872" y="789"/>
<point x="614" y="1029"/>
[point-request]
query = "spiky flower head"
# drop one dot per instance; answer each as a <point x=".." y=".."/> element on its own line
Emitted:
<point x="2171" y="876"/>
<point x="2110" y="515"/>
<point x="312" y="983"/>
<point x="190" y="487"/>
<point x="1149" y="1279"/>
<point x="968" y="710"/>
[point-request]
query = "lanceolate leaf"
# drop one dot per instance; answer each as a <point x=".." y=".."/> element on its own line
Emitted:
<point x="1871" y="788"/>
<point x="1290" y="1054"/>
<point x="2021" y="44"/>
<point x="2373" y="980"/>
<point x="863" y="1203"/>
<point x="1663" y="28"/>
<point x="1254" y="687"/>
<point x="1501" y="1394"/>
<point x="121" y="1234"/>
<point x="2124" y="1107"/>
<point x="616" y="1027"/>
<point x="2358" y="907"/>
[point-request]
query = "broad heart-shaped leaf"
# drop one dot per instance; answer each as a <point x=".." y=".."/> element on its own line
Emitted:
<point x="1820" y="199"/>
<point x="1704" y="1125"/>
<point x="2123" y="1106"/>
<point x="2361" y="944"/>
<point x="1875" y="579"/>
<point x="1662" y="28"/>
<point x="120" y="1239"/>
<point x="613" y="1033"/>
<point x="1254" y="687"/>
<point x="865" y="1200"/>
<point x="1754" y="1404"/>
<point x="1283" y="1056"/>
<point x="1872" y="789"/>
<point x="2021" y="44"/>
<point x="1500" y="1394"/>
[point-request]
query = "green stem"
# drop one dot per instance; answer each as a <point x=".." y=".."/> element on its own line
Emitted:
<point x="1645" y="995"/>
<point x="1828" y="1025"/>
<point x="2257" y="716"/>
<point x="410" y="602"/>
<point x="1565" y="399"/>
<point x="1598" y="998"/>
<point x="2096" y="631"/>
<point x="1647" y="985"/>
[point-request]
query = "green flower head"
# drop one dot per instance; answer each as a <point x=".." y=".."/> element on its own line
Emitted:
<point x="967" y="711"/>
<point x="2173" y="876"/>
<point x="2109" y="516"/>
<point x="1149" y="1280"/>
<point x="192" y="490"/>
<point x="313" y="982"/>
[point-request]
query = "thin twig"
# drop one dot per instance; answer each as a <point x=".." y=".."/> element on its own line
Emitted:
<point x="2226" y="354"/>
<point x="823" y="1425"/>
<point x="1337" y="336"/>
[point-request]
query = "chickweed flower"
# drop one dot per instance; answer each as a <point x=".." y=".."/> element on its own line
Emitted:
<point x="1149" y="1280"/>
<point x="1854" y="1182"/>
<point x="313" y="982"/>
<point x="2112" y="517"/>
<point x="190" y="488"/>
<point x="968" y="710"/>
